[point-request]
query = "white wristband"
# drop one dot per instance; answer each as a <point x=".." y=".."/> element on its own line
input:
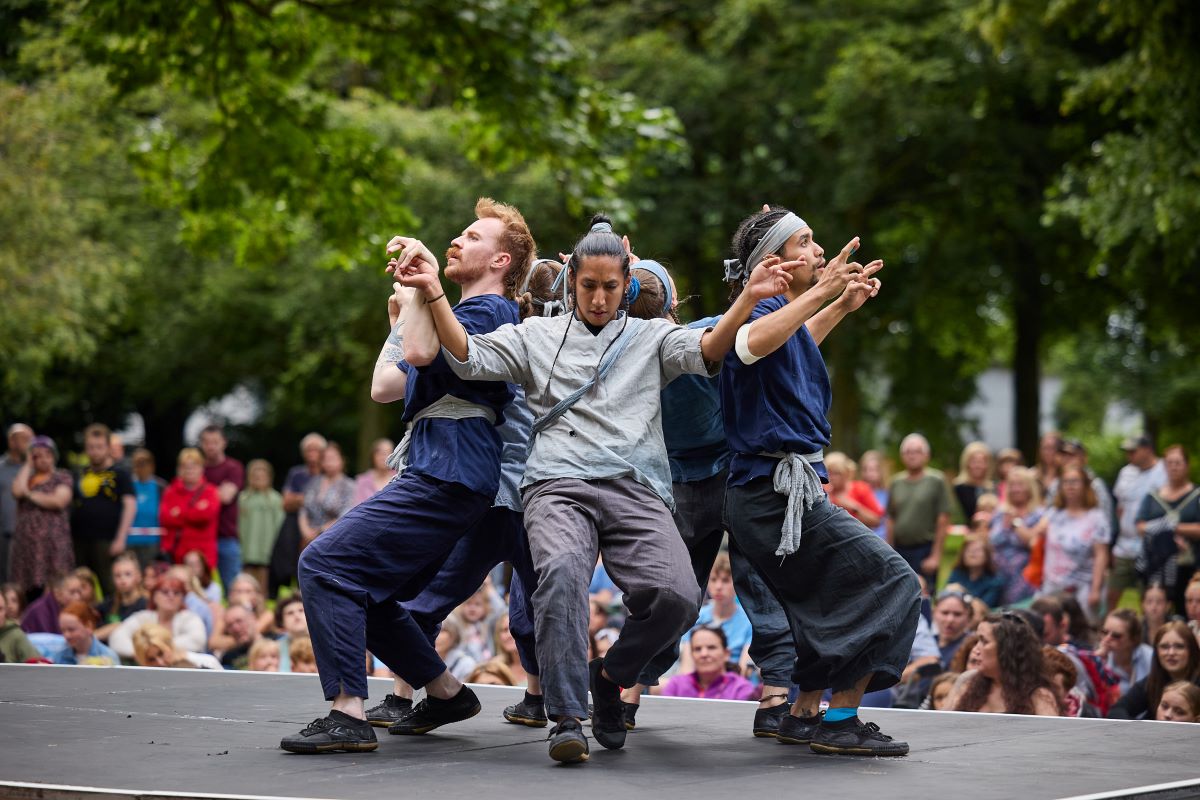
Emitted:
<point x="741" y="345"/>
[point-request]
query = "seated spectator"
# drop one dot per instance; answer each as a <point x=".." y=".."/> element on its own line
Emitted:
<point x="1014" y="529"/>
<point x="506" y="652"/>
<point x="260" y="516"/>
<point x="939" y="691"/>
<point x="41" y="539"/>
<point x="14" y="601"/>
<point x="1176" y="658"/>
<point x="42" y="614"/>
<point x="264" y="656"/>
<point x="290" y="619"/>
<point x="448" y="646"/>
<point x="602" y="589"/>
<point x="492" y="673"/>
<point x="202" y="571"/>
<point x="189" y="510"/>
<point x="128" y="596"/>
<point x="195" y="601"/>
<point x="854" y="496"/>
<point x="967" y="656"/>
<point x="301" y="656"/>
<point x="475" y="632"/>
<point x="952" y="618"/>
<point x="924" y="662"/>
<point x="241" y="632"/>
<point x="1180" y="703"/>
<point x="975" y="570"/>
<point x="604" y="639"/>
<point x="1063" y="677"/>
<point x="88" y="578"/>
<point x="1156" y="609"/>
<point x="711" y="677"/>
<point x="1081" y="633"/>
<point x="1191" y="604"/>
<point x="597" y="616"/>
<point x="15" y="647"/>
<point x="1122" y="649"/>
<point x="166" y="609"/>
<point x="379" y="475"/>
<point x="723" y="610"/>
<point x="247" y="591"/>
<point x="78" y="623"/>
<point x="153" y="646"/>
<point x="1011" y="676"/>
<point x="985" y="508"/>
<point x="1095" y="681"/>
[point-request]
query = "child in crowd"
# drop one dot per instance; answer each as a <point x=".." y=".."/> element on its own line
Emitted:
<point x="449" y="648"/>
<point x="475" y="631"/>
<point x="939" y="691"/>
<point x="975" y="570"/>
<point x="492" y="673"/>
<point x="1180" y="703"/>
<point x="985" y="509"/>
<point x="260" y="515"/>
<point x="88" y="579"/>
<point x="14" y="601"/>
<point x="198" y="564"/>
<point x="290" y="619"/>
<point x="15" y="647"/>
<point x="78" y="623"/>
<point x="264" y="656"/>
<point x="721" y="610"/>
<point x="154" y="646"/>
<point x="300" y="653"/>
<point x="128" y="597"/>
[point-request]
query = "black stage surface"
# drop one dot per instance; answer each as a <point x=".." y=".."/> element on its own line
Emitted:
<point x="70" y="732"/>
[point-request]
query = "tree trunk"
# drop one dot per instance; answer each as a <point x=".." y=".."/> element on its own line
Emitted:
<point x="373" y="423"/>
<point x="164" y="435"/>
<point x="1027" y="374"/>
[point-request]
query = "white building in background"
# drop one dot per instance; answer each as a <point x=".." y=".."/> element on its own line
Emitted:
<point x="239" y="407"/>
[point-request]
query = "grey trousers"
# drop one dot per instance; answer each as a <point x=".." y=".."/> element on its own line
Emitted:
<point x="567" y="520"/>
<point x="851" y="599"/>
<point x="699" y="506"/>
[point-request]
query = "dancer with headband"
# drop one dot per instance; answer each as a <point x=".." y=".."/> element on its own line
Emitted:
<point x="499" y="537"/>
<point x="597" y="475"/>
<point x="699" y="458"/>
<point x="386" y="550"/>
<point x="852" y="601"/>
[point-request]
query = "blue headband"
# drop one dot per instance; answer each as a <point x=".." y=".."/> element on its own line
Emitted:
<point x="659" y="271"/>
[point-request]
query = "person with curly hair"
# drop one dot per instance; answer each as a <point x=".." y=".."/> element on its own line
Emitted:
<point x="1011" y="677"/>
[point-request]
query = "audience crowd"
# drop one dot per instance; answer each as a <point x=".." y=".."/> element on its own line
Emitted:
<point x="1047" y="592"/>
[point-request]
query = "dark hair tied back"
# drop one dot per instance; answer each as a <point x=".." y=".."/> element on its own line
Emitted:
<point x="600" y="240"/>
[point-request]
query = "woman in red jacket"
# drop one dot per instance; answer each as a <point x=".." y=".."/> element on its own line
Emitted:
<point x="189" y="509"/>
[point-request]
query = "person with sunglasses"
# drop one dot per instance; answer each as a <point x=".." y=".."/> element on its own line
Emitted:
<point x="1176" y="658"/>
<point x="1122" y="649"/>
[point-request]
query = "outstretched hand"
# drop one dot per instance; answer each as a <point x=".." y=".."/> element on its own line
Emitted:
<point x="770" y="278"/>
<point x="862" y="285"/>
<point x="837" y="273"/>
<point x="413" y="265"/>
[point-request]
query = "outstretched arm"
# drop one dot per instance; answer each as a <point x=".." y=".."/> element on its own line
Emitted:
<point x="862" y="286"/>
<point x="430" y="322"/>
<point x="389" y="381"/>
<point x="768" y="279"/>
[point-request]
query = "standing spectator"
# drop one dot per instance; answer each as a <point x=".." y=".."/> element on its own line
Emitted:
<point x="166" y="609"/>
<point x="378" y="476"/>
<point x="1013" y="531"/>
<point x="975" y="570"/>
<point x="1011" y="677"/>
<point x="189" y="511"/>
<point x="260" y="516"/>
<point x="1006" y="459"/>
<point x="78" y="624"/>
<point x="145" y="537"/>
<point x="19" y="437"/>
<point x="919" y="509"/>
<point x="875" y="473"/>
<point x="327" y="496"/>
<point x="116" y="449"/>
<point x="1046" y="469"/>
<point x="1176" y="658"/>
<point x="128" y="598"/>
<point x="1122" y="649"/>
<point x="41" y="544"/>
<point x="104" y="507"/>
<point x="1144" y="474"/>
<point x="710" y="676"/>
<point x="974" y="477"/>
<point x="228" y="475"/>
<point x="1073" y="453"/>
<point x="15" y="647"/>
<point x="286" y="553"/>
<point x="1077" y="536"/>
<point x="853" y="495"/>
<point x="1168" y="519"/>
<point x="1180" y="703"/>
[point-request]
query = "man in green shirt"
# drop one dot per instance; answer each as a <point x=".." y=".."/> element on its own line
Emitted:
<point x="918" y="512"/>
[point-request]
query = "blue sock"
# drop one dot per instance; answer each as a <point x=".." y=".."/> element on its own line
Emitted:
<point x="839" y="714"/>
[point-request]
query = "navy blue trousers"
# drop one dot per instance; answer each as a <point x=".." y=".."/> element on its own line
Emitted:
<point x="498" y="537"/>
<point x="355" y="577"/>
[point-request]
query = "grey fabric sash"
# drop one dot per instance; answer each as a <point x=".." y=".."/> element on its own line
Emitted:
<point x="796" y="479"/>
<point x="445" y="407"/>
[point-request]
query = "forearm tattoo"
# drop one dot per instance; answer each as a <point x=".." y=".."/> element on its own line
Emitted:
<point x="393" y="348"/>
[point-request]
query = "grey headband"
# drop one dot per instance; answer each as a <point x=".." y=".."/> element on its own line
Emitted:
<point x="774" y="239"/>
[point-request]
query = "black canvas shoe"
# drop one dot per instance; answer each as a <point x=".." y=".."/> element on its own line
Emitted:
<point x="568" y="745"/>
<point x="797" y="730"/>
<point x="766" y="720"/>
<point x="392" y="709"/>
<point x="530" y="711"/>
<point x="432" y="713"/>
<point x="630" y="710"/>
<point x="336" y="732"/>
<point x="853" y="737"/>
<point x="608" y="717"/>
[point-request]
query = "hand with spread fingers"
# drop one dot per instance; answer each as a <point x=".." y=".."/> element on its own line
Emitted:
<point x="863" y="285"/>
<point x="414" y="265"/>
<point x="838" y="272"/>
<point x="770" y="278"/>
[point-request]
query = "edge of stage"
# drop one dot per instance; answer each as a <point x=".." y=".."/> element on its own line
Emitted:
<point x="85" y="732"/>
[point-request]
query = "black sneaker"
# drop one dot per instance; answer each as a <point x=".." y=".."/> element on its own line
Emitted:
<point x="568" y="745"/>
<point x="766" y="720"/>
<point x="338" y="731"/>
<point x="431" y="713"/>
<point x="853" y="737"/>
<point x="798" y="730"/>
<point x="392" y="709"/>
<point x="530" y="711"/>
<point x="630" y="710"/>
<point x="608" y="717"/>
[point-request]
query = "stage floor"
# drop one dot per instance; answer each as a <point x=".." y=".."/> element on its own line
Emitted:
<point x="69" y="732"/>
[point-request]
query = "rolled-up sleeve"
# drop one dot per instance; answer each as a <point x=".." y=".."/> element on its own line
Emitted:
<point x="680" y="354"/>
<point x="497" y="356"/>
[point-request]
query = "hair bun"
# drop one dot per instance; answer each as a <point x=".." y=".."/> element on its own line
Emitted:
<point x="601" y="222"/>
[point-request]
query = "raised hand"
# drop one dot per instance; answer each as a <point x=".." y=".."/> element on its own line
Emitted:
<point x="400" y="297"/>
<point x="862" y="285"/>
<point x="836" y="275"/>
<point x="414" y="265"/>
<point x="771" y="277"/>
